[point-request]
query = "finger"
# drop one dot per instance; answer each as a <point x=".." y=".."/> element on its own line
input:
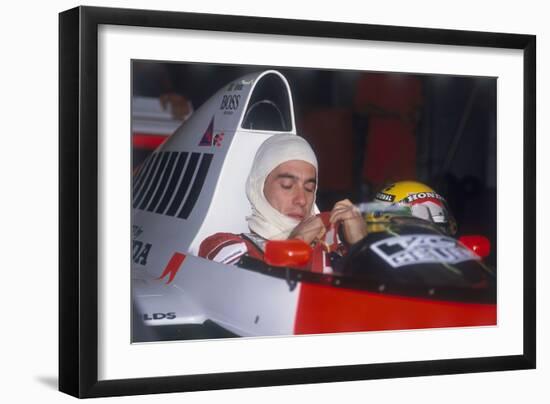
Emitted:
<point x="319" y="229"/>
<point x="348" y="212"/>
<point x="312" y="234"/>
<point x="341" y="208"/>
<point x="342" y="204"/>
<point x="339" y="216"/>
<point x="310" y="224"/>
<point x="321" y="233"/>
<point x="345" y="205"/>
<point x="309" y="229"/>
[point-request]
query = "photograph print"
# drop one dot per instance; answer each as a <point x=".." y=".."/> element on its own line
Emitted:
<point x="276" y="201"/>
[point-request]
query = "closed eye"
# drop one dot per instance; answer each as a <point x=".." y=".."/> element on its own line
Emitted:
<point x="310" y="186"/>
<point x="287" y="183"/>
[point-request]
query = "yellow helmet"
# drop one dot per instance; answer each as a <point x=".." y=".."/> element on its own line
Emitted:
<point x="423" y="201"/>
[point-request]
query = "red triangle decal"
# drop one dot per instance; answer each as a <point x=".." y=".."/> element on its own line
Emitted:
<point x="208" y="135"/>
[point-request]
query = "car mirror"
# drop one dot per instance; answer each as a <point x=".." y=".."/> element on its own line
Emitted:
<point x="287" y="253"/>
<point x="480" y="245"/>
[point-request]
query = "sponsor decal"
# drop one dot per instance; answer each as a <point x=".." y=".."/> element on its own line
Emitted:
<point x="172" y="267"/>
<point x="206" y="139"/>
<point x="384" y="197"/>
<point x="230" y="102"/>
<point x="159" y="316"/>
<point x="209" y="139"/>
<point x="218" y="139"/>
<point x="423" y="196"/>
<point x="140" y="252"/>
<point x="235" y="87"/>
<point x="421" y="249"/>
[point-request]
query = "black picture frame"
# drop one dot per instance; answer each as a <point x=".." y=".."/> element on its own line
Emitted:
<point x="78" y="206"/>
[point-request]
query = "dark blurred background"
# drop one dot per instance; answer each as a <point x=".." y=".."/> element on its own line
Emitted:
<point x="367" y="129"/>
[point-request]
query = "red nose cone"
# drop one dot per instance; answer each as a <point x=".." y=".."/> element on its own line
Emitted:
<point x="478" y="244"/>
<point x="287" y="253"/>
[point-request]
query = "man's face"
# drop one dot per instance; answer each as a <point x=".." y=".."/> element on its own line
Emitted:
<point x="290" y="188"/>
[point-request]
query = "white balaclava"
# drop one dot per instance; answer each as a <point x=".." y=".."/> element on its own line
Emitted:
<point x="265" y="220"/>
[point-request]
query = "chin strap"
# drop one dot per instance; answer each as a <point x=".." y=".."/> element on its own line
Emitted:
<point x="329" y="250"/>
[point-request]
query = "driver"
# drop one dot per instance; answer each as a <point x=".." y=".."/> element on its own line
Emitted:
<point x="281" y="188"/>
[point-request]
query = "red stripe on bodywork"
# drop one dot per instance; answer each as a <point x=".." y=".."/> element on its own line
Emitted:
<point x="173" y="267"/>
<point x="147" y="141"/>
<point x="324" y="309"/>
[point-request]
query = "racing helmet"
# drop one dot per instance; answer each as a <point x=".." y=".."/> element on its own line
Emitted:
<point x="423" y="202"/>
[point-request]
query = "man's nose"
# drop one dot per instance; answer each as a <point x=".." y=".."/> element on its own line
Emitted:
<point x="300" y="197"/>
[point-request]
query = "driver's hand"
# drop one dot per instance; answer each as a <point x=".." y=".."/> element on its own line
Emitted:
<point x="309" y="230"/>
<point x="350" y="219"/>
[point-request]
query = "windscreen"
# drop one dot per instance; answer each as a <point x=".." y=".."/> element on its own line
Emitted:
<point x="269" y="106"/>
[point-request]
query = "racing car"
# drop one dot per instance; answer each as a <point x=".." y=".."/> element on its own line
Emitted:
<point x="408" y="274"/>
